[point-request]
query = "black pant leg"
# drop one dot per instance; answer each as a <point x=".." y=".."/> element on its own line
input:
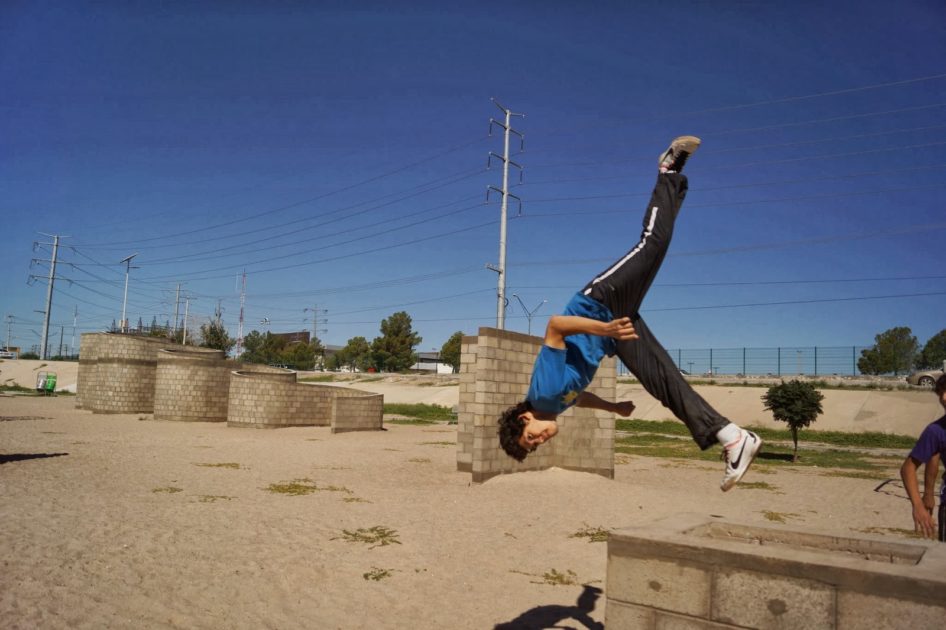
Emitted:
<point x="622" y="286"/>
<point x="653" y="367"/>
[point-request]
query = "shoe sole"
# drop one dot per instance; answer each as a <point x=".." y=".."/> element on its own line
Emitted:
<point x="685" y="143"/>
<point x="752" y="454"/>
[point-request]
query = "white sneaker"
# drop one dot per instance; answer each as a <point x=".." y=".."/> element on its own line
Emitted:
<point x="673" y="159"/>
<point x="739" y="456"/>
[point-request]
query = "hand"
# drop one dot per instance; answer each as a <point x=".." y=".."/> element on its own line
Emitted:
<point x="624" y="408"/>
<point x="621" y="329"/>
<point x="923" y="522"/>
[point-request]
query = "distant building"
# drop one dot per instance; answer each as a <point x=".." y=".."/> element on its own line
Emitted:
<point x="430" y="363"/>
<point x="294" y="337"/>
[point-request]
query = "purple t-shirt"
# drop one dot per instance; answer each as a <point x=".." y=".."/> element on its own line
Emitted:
<point x="931" y="442"/>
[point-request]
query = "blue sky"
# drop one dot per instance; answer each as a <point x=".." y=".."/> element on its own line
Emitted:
<point x="337" y="153"/>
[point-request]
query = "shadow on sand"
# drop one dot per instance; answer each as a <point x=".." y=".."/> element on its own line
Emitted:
<point x="553" y="616"/>
<point x="19" y="457"/>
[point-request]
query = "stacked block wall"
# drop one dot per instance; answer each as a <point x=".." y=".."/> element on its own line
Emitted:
<point x="121" y="376"/>
<point x="495" y="369"/>
<point x="192" y="385"/>
<point x="268" y="398"/>
<point x="355" y="410"/>
<point x="691" y="572"/>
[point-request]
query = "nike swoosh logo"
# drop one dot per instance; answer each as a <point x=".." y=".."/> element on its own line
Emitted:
<point x="735" y="462"/>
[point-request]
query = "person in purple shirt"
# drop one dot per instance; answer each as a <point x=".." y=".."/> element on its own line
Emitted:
<point x="603" y="319"/>
<point x="929" y="449"/>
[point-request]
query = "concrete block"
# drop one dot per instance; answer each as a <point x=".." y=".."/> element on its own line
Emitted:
<point x="759" y="600"/>
<point x="877" y="612"/>
<point x="619" y="615"/>
<point x="665" y="584"/>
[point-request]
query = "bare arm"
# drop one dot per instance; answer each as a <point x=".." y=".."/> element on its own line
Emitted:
<point x="929" y="483"/>
<point x="561" y="326"/>
<point x="922" y="519"/>
<point x="589" y="400"/>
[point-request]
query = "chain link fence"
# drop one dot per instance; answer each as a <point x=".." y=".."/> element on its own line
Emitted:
<point x="779" y="361"/>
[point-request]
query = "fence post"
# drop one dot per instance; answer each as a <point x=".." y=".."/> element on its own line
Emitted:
<point x="744" y="361"/>
<point x="711" y="362"/>
<point x="816" y="360"/>
<point x="779" y="369"/>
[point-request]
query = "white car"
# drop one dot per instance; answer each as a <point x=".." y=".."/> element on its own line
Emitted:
<point x="924" y="378"/>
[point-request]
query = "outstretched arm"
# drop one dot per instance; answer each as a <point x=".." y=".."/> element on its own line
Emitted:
<point x="929" y="483"/>
<point x="622" y="408"/>
<point x="922" y="520"/>
<point x="561" y="326"/>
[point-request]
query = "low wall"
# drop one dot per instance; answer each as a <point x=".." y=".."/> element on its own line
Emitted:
<point x="495" y="368"/>
<point x="269" y="398"/>
<point x="117" y="372"/>
<point x="853" y="410"/>
<point x="192" y="384"/>
<point x="691" y="571"/>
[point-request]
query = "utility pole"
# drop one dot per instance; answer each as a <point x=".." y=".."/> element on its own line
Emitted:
<point x="186" y="305"/>
<point x="75" y="317"/>
<point x="239" y="343"/>
<point x="177" y="309"/>
<point x="49" y="296"/>
<point x="9" y="326"/>
<point x="127" y="263"/>
<point x="501" y="300"/>
<point x="316" y="321"/>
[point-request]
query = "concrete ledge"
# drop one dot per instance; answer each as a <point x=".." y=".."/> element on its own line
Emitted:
<point x="694" y="571"/>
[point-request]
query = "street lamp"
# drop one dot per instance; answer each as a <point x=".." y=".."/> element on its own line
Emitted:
<point x="529" y="313"/>
<point x="127" y="263"/>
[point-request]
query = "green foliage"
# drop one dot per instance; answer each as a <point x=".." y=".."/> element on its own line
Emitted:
<point x="933" y="353"/>
<point x="29" y="355"/>
<point x="214" y="335"/>
<point x="420" y="411"/>
<point x="895" y="350"/>
<point x="450" y="351"/>
<point x="796" y="403"/>
<point x="393" y="351"/>
<point x="356" y="355"/>
<point x="271" y="349"/>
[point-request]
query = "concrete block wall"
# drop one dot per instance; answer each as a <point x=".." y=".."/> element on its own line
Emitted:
<point x="121" y="376"/>
<point x="495" y="368"/>
<point x="355" y="410"/>
<point x="268" y="398"/>
<point x="192" y="384"/>
<point x="693" y="571"/>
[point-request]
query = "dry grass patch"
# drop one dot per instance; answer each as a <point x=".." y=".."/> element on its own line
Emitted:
<point x="593" y="534"/>
<point x="300" y="487"/>
<point x="376" y="574"/>
<point x="168" y="490"/>
<point x="231" y="465"/>
<point x="377" y="536"/>
<point x="779" y="517"/>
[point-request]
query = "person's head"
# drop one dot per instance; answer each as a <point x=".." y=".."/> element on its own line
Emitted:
<point x="940" y="389"/>
<point x="522" y="429"/>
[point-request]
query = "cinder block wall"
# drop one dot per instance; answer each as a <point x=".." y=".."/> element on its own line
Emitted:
<point x="495" y="368"/>
<point x="121" y="376"/>
<point x="192" y="384"/>
<point x="268" y="398"/>
<point x="691" y="571"/>
<point x="355" y="410"/>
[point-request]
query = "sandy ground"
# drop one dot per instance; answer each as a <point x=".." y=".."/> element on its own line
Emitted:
<point x="118" y="521"/>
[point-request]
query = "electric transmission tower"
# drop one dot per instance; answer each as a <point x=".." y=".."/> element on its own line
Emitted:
<point x="500" y="269"/>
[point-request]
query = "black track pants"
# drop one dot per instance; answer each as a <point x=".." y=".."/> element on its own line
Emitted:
<point x="622" y="287"/>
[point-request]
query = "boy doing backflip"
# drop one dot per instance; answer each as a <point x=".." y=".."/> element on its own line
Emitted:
<point x="603" y="319"/>
<point x="930" y="449"/>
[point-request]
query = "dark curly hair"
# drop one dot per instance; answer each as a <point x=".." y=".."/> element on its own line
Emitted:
<point x="940" y="386"/>
<point x="510" y="430"/>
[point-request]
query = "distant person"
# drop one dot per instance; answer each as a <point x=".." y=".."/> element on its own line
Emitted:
<point x="603" y="320"/>
<point x="929" y="450"/>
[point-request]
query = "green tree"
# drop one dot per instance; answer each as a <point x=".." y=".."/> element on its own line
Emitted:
<point x="894" y="350"/>
<point x="214" y="334"/>
<point x="356" y="355"/>
<point x="934" y="352"/>
<point x="796" y="403"/>
<point x="299" y="356"/>
<point x="450" y="351"/>
<point x="260" y="348"/>
<point x="393" y="351"/>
